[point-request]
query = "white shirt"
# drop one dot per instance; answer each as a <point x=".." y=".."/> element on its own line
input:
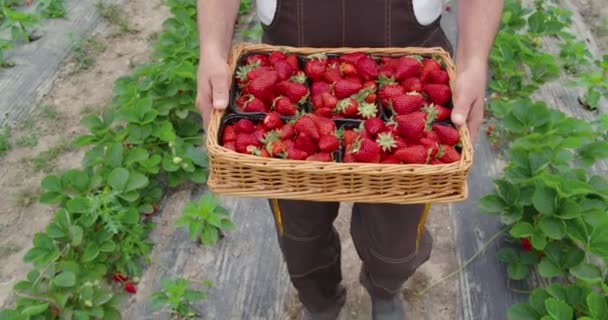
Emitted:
<point x="426" y="11"/>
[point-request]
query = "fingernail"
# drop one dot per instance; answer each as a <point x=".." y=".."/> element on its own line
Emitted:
<point x="220" y="104"/>
<point x="458" y="118"/>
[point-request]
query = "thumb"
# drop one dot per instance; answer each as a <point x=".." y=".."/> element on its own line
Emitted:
<point x="219" y="92"/>
<point x="462" y="107"/>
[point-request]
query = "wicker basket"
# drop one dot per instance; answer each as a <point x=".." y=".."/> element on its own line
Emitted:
<point x="238" y="174"/>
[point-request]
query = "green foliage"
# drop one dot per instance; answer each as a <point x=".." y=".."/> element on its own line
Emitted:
<point x="178" y="297"/>
<point x="244" y="7"/>
<point x="51" y="8"/>
<point x="4" y="143"/>
<point x="205" y="220"/>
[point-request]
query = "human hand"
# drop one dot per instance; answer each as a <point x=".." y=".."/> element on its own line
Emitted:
<point x="213" y="80"/>
<point x="469" y="97"/>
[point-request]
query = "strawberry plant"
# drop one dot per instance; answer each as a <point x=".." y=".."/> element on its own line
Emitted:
<point x="596" y="83"/>
<point x="178" y="297"/>
<point x="205" y="220"/>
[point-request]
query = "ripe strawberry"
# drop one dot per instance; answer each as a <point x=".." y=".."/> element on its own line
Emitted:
<point x="400" y="141"/>
<point x="285" y="107"/>
<point x="349" y="107"/>
<point x="370" y="85"/>
<point x="329" y="100"/>
<point x="332" y="75"/>
<point x="324" y="126"/>
<point x="296" y="92"/>
<point x="295" y="154"/>
<point x="320" y="87"/>
<point x="438" y="93"/>
<point x="428" y="66"/>
<point x="329" y="143"/>
<point x="317" y="101"/>
<point x="244" y="126"/>
<point x="447" y="154"/>
<point x="288" y="144"/>
<point x="284" y="70"/>
<point x="256" y="73"/>
<point x="391" y="159"/>
<point x="526" y="245"/>
<point x="262" y="87"/>
<point x="261" y="59"/>
<point x="406" y="103"/>
<point x="276" y="56"/>
<point x="230" y="145"/>
<point x="371" y="98"/>
<point x="255" y="105"/>
<point x="447" y="135"/>
<point x="431" y="145"/>
<point x="407" y="67"/>
<point x="367" y="151"/>
<point x="387" y="92"/>
<point x="348" y="69"/>
<point x="308" y="126"/>
<point x="431" y="135"/>
<point x="259" y="133"/>
<point x="387" y="142"/>
<point x="373" y="126"/>
<point x="229" y="134"/>
<point x="344" y="88"/>
<point x="352" y="58"/>
<point x="367" y="68"/>
<point x="412" y="84"/>
<point x="273" y="121"/>
<point x="387" y="71"/>
<point x="293" y="61"/>
<point x="323" y="112"/>
<point x="118" y="277"/>
<point x="316" y="66"/>
<point x="322" y="156"/>
<point x="410" y="126"/>
<point x="299" y="77"/>
<point x="305" y="143"/>
<point x="243" y="141"/>
<point x="276" y="148"/>
<point x="288" y="132"/>
<point x="130" y="288"/>
<point x="437" y="112"/>
<point x="415" y="154"/>
<point x="435" y="162"/>
<point x="367" y="110"/>
<point x="264" y="153"/>
<point x="348" y="154"/>
<point x="349" y="137"/>
<point x="386" y="60"/>
<point x="439" y="77"/>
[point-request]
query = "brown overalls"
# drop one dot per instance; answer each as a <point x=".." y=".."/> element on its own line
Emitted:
<point x="390" y="239"/>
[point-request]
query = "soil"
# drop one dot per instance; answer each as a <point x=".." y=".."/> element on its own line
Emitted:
<point x="595" y="13"/>
<point x="74" y="93"/>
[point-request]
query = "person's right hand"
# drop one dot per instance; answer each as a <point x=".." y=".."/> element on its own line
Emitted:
<point x="213" y="80"/>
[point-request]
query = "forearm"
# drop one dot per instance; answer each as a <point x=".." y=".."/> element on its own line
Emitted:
<point x="216" y="25"/>
<point x="478" y="22"/>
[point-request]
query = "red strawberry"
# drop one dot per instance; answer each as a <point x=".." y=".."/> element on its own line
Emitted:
<point x="367" y="68"/>
<point x="354" y="80"/>
<point x="230" y="145"/>
<point x="438" y="93"/>
<point x="320" y="87"/>
<point x="305" y="143"/>
<point x="130" y="288"/>
<point x="371" y="98"/>
<point x="329" y="143"/>
<point x="410" y="126"/>
<point x="264" y="154"/>
<point x="431" y="135"/>
<point x="276" y="56"/>
<point x="273" y="121"/>
<point x="259" y="58"/>
<point x="316" y="66"/>
<point x="295" y="154"/>
<point x="400" y="141"/>
<point x="371" y="86"/>
<point x="367" y="151"/>
<point x="325" y="126"/>
<point x="243" y="141"/>
<point x="387" y="142"/>
<point x="308" y="126"/>
<point x="386" y="60"/>
<point x="435" y="162"/>
<point x="406" y="103"/>
<point x="431" y="145"/>
<point x="349" y="137"/>
<point x="288" y="132"/>
<point x="344" y="88"/>
<point x="284" y="70"/>
<point x="348" y="154"/>
<point x="285" y="107"/>
<point x="407" y="67"/>
<point x="348" y="69"/>
<point x="387" y="71"/>
<point x="329" y="100"/>
<point x="288" y="144"/>
<point x="352" y="58"/>
<point x="373" y="126"/>
<point x="262" y="87"/>
<point x="526" y="245"/>
<point x="256" y="73"/>
<point x="332" y="75"/>
<point x="391" y="159"/>
<point x="242" y="100"/>
<point x="322" y="156"/>
<point x="348" y="107"/>
<point x="317" y="101"/>
<point x="293" y="61"/>
<point x="415" y="154"/>
<point x="447" y="135"/>
<point x="296" y="92"/>
<point x="412" y="84"/>
<point x="323" y="112"/>
<point x="259" y="133"/>
<point x="277" y="148"/>
<point x="229" y="134"/>
<point x="255" y="105"/>
<point x="447" y="154"/>
<point x="387" y="92"/>
<point x="118" y="277"/>
<point x="439" y="113"/>
<point x="438" y="77"/>
<point x="244" y="126"/>
<point x="428" y="66"/>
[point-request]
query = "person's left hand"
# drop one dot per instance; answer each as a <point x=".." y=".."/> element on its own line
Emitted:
<point x="469" y="97"/>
